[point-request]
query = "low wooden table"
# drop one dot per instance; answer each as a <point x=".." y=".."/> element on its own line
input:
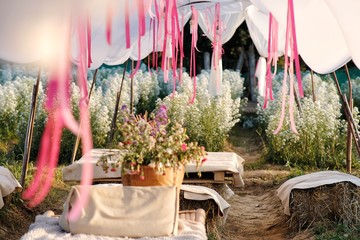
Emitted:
<point x="220" y="167"/>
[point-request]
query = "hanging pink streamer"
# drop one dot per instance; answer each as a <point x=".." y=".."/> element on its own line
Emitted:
<point x="194" y="38"/>
<point x="142" y="24"/>
<point x="288" y="66"/>
<point x="127" y="24"/>
<point x="85" y="130"/>
<point x="109" y="17"/>
<point x="88" y="31"/>
<point x="295" y="48"/>
<point x="272" y="58"/>
<point x="164" y="65"/>
<point x="181" y="43"/>
<point x="141" y="32"/>
<point x="157" y="31"/>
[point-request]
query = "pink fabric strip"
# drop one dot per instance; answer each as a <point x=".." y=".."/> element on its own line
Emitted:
<point x="141" y="28"/>
<point x="127" y="24"/>
<point x="164" y="66"/>
<point x="295" y="48"/>
<point x="288" y="66"/>
<point x="181" y="42"/>
<point x="194" y="38"/>
<point x="109" y="23"/>
<point x="174" y="38"/>
<point x="284" y="88"/>
<point x="89" y="40"/>
<point x="85" y="130"/>
<point x="141" y="12"/>
<point x="157" y="31"/>
<point x="178" y="40"/>
<point x="272" y="58"/>
<point x="268" y="63"/>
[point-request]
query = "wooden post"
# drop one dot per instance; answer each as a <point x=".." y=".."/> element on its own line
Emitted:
<point x="77" y="141"/>
<point x="30" y="130"/>
<point x="348" y="114"/>
<point x="313" y="85"/>
<point x="252" y="65"/>
<point x="113" y="121"/>
<point x="297" y="100"/>
<point x="349" y="136"/>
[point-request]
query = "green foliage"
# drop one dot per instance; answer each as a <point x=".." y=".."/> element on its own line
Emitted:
<point x="327" y="231"/>
<point x="321" y="141"/>
<point x="209" y="119"/>
<point x="215" y="115"/>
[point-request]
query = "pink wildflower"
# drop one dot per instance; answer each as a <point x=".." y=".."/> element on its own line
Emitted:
<point x="183" y="147"/>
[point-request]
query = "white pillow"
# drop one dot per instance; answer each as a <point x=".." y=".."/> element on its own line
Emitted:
<point x="116" y="210"/>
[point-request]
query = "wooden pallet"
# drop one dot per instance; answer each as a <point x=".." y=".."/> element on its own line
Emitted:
<point x="206" y="177"/>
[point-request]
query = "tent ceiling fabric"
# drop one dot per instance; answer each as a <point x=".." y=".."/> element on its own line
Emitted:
<point x="321" y="42"/>
<point x="325" y="33"/>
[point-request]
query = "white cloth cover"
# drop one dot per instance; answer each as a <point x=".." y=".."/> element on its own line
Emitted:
<point x="216" y="161"/>
<point x="47" y="226"/>
<point x="73" y="171"/>
<point x="116" y="210"/>
<point x="8" y="184"/>
<point x="312" y="180"/>
<point x="201" y="193"/>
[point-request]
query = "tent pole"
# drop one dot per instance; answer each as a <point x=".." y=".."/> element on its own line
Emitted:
<point x="349" y="136"/>
<point x="113" y="121"/>
<point x="77" y="141"/>
<point x="132" y="89"/>
<point x="348" y="115"/>
<point x="30" y="130"/>
<point x="313" y="85"/>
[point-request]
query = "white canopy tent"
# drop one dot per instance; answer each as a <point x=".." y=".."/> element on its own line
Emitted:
<point x="40" y="30"/>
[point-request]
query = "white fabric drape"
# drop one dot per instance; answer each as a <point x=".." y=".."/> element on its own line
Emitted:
<point x="321" y="42"/>
<point x="231" y="15"/>
<point x="257" y="22"/>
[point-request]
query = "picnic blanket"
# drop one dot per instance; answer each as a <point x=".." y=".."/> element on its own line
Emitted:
<point x="312" y="180"/>
<point x="216" y="161"/>
<point x="47" y="226"/>
<point x="8" y="184"/>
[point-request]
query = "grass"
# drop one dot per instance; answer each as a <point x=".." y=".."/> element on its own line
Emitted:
<point x="15" y="216"/>
<point x="327" y="231"/>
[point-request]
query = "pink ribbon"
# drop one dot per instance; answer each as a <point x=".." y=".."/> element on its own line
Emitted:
<point x="88" y="31"/>
<point x="141" y="32"/>
<point x="194" y="38"/>
<point x="127" y="23"/>
<point x="272" y="58"/>
<point x="290" y="43"/>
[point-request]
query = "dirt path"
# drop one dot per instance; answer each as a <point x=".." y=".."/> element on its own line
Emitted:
<point x="256" y="212"/>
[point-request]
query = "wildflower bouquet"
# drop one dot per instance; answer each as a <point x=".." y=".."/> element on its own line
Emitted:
<point x="153" y="141"/>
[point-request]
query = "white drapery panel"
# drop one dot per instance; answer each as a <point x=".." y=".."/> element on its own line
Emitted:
<point x="257" y="22"/>
<point x="326" y="35"/>
<point x="347" y="16"/>
<point x="321" y="42"/>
